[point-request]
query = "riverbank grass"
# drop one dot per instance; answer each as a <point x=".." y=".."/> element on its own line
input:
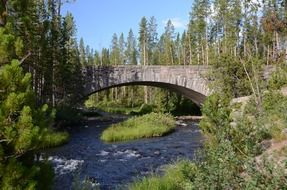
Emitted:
<point x="146" y="126"/>
<point x="176" y="176"/>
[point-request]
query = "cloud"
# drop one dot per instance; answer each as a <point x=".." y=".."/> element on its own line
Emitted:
<point x="178" y="23"/>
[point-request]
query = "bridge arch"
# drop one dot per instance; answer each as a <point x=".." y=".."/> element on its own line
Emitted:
<point x="186" y="80"/>
<point x="194" y="96"/>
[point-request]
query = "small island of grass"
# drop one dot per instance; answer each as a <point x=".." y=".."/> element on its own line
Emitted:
<point x="146" y="126"/>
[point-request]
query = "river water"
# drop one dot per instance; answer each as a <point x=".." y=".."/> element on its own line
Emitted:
<point x="116" y="164"/>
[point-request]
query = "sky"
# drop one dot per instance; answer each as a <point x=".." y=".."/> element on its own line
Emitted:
<point x="98" y="20"/>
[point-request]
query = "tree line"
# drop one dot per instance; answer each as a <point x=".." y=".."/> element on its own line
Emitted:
<point x="45" y="42"/>
<point x="216" y="28"/>
<point x="232" y="36"/>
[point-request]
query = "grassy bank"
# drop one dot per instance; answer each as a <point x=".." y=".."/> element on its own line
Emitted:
<point x="54" y="139"/>
<point x="150" y="125"/>
<point x="177" y="176"/>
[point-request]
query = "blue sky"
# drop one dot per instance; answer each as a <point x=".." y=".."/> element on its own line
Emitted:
<point x="97" y="20"/>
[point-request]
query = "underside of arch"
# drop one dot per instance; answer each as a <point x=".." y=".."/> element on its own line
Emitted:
<point x="194" y="96"/>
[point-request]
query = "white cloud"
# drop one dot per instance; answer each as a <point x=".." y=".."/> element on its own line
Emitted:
<point x="178" y="23"/>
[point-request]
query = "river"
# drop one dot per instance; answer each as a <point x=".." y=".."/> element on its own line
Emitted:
<point x="116" y="164"/>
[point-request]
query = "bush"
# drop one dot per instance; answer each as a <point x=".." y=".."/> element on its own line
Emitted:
<point x="144" y="109"/>
<point x="278" y="78"/>
<point x="216" y="117"/>
<point x="150" y="125"/>
<point x="68" y="116"/>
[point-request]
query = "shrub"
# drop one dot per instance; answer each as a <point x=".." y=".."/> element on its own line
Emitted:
<point x="144" y="109"/>
<point x="278" y="78"/>
<point x="68" y="116"/>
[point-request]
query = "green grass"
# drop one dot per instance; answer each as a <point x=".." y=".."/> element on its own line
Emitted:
<point x="146" y="126"/>
<point x="120" y="109"/>
<point x="112" y="107"/>
<point x="54" y="139"/>
<point x="176" y="177"/>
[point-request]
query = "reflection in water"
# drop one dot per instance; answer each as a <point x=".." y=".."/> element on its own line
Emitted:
<point x="116" y="164"/>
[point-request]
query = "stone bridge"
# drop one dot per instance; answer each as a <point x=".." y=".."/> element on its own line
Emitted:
<point x="190" y="81"/>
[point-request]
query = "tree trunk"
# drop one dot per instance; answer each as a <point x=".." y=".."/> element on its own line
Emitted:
<point x="184" y="55"/>
<point x="286" y="39"/>
<point x="244" y="45"/>
<point x="198" y="57"/>
<point x="145" y="95"/>
<point x="277" y="45"/>
<point x="144" y="54"/>
<point x="171" y="55"/>
<point x="59" y="8"/>
<point x="274" y="46"/>
<point x="132" y="96"/>
<point x="256" y="46"/>
<point x="268" y="54"/>
<point x="3" y="14"/>
<point x="207" y="53"/>
<point x="202" y="55"/>
<point x="116" y="93"/>
<point x="190" y="51"/>
<point x="224" y="39"/>
<point x="124" y="92"/>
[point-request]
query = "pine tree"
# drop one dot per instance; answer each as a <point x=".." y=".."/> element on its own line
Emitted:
<point x="23" y="125"/>
<point x="122" y="49"/>
<point x="168" y="36"/>
<point x="105" y="57"/>
<point x="143" y="41"/>
<point x="90" y="55"/>
<point x="115" y="50"/>
<point x="82" y="51"/>
<point x="131" y="52"/>
<point x="143" y="45"/>
<point x="199" y="26"/>
<point x="23" y="129"/>
<point x="71" y="75"/>
<point x="178" y="50"/>
<point x="97" y="58"/>
<point x="152" y="40"/>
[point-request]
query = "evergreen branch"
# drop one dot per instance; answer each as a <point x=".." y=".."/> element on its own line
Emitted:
<point x="19" y="153"/>
<point x="26" y="57"/>
<point x="4" y="140"/>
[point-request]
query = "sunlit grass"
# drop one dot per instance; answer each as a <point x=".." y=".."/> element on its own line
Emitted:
<point x="177" y="176"/>
<point x="54" y="139"/>
<point x="150" y="125"/>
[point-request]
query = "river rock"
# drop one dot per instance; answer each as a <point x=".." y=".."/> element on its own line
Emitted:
<point x="103" y="153"/>
<point x="183" y="124"/>
<point x="157" y="153"/>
